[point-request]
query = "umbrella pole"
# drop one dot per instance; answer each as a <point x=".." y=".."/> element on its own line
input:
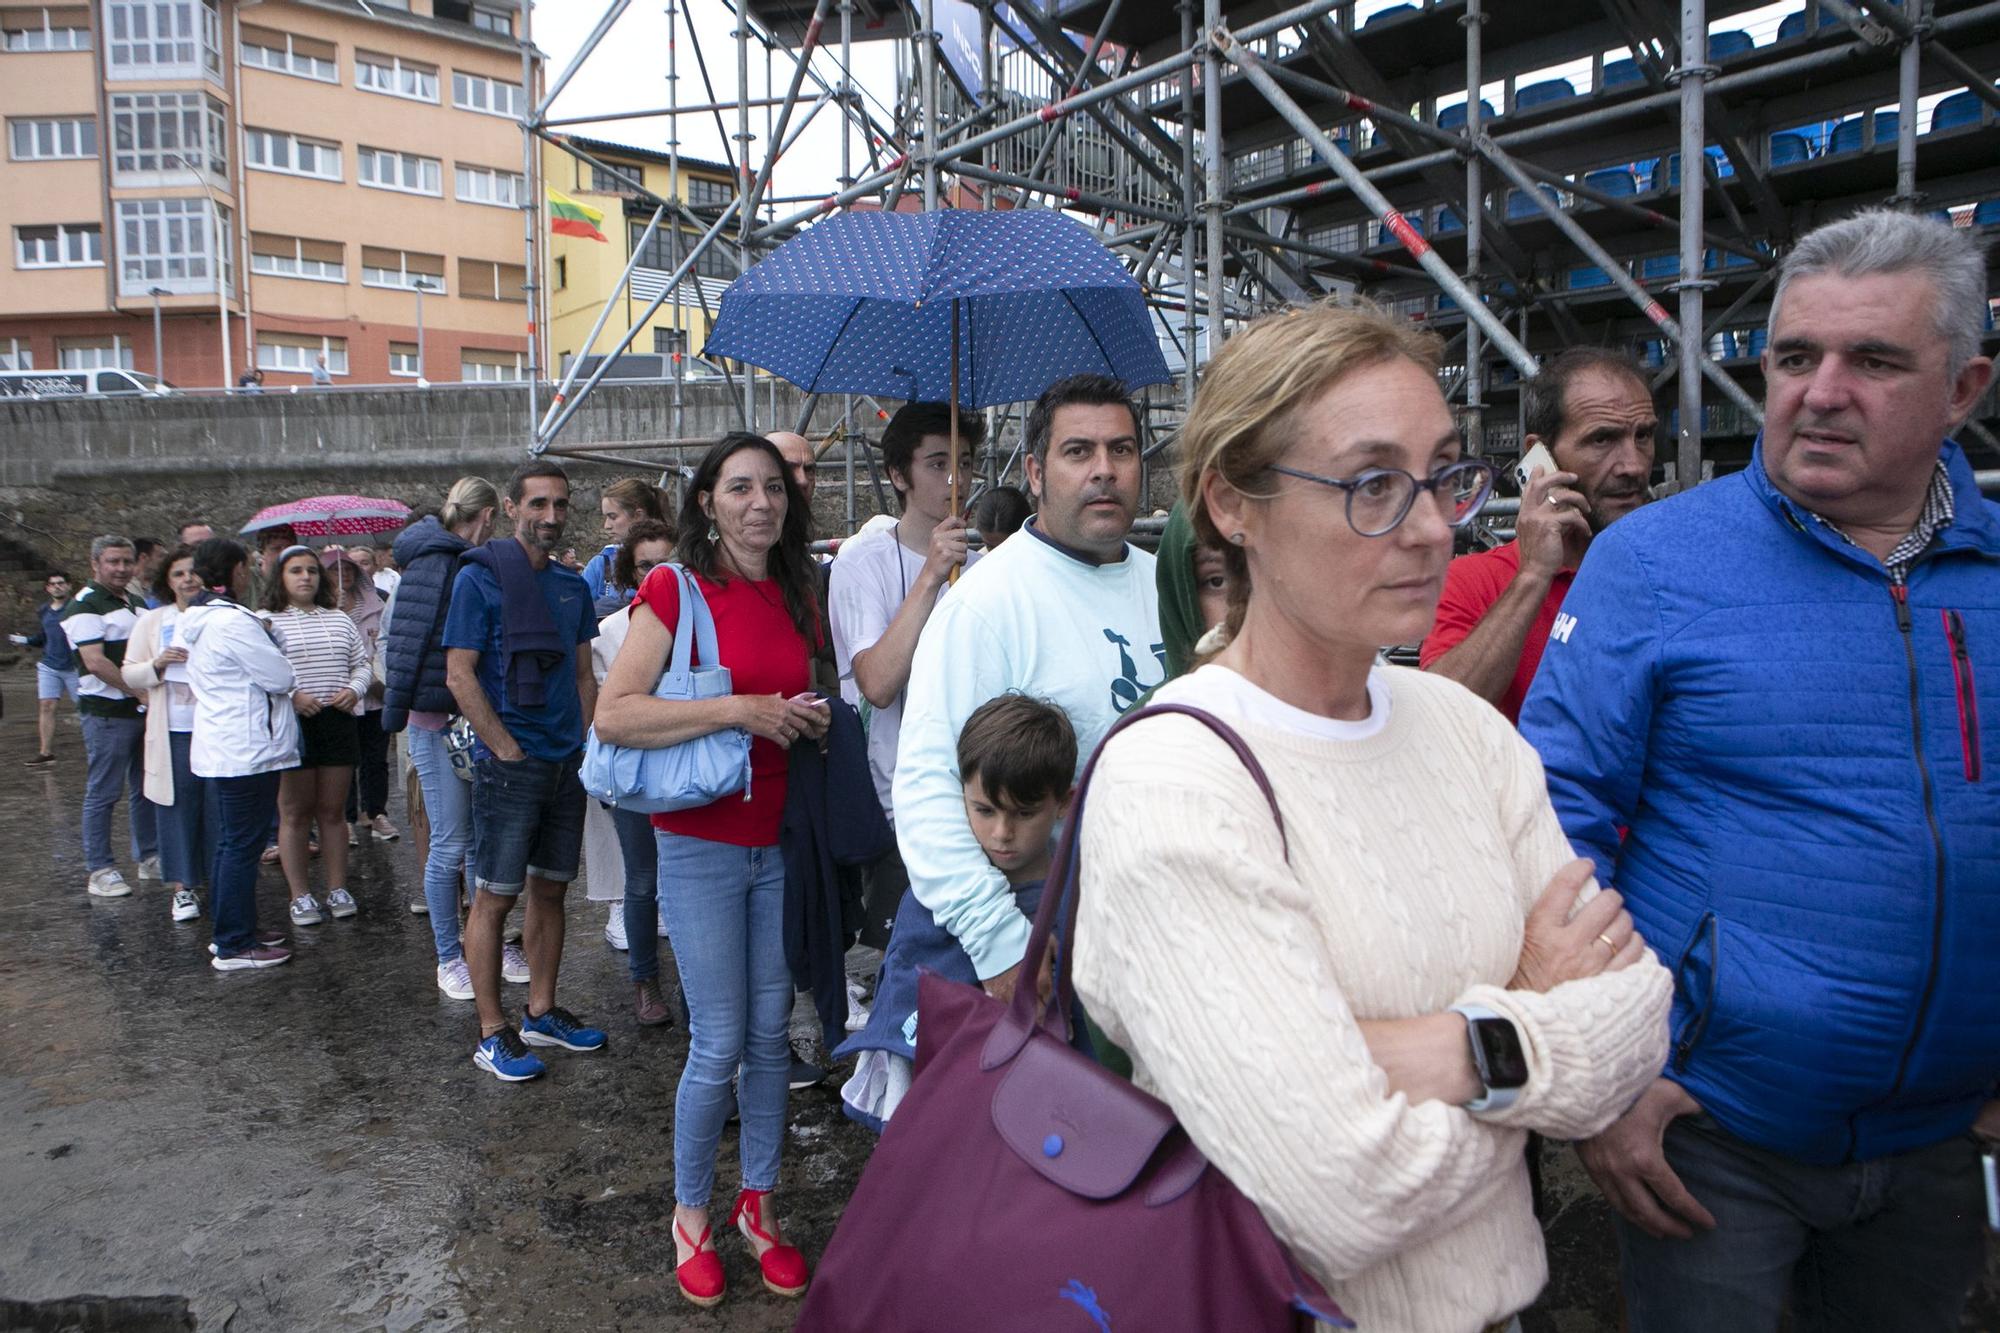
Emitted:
<point x="954" y="421"/>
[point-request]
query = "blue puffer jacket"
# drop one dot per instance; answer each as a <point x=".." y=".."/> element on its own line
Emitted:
<point x="428" y="553"/>
<point x="1800" y="757"/>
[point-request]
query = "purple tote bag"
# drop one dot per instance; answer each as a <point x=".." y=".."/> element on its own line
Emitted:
<point x="1021" y="1185"/>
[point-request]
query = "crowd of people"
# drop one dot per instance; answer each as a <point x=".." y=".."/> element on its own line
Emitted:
<point x="1678" y="845"/>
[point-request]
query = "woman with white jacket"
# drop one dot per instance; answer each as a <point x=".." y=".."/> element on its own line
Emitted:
<point x="245" y="734"/>
<point x="156" y="666"/>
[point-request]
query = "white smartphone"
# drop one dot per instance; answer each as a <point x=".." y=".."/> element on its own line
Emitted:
<point x="1533" y="464"/>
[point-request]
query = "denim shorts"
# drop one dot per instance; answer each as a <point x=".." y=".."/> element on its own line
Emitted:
<point x="53" y="684"/>
<point x="527" y="819"/>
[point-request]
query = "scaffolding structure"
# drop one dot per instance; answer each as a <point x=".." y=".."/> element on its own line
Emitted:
<point x="1508" y="172"/>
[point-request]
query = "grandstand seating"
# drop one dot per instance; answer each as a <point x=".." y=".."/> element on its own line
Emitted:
<point x="1453" y="116"/>
<point x="1618" y="72"/>
<point x="1722" y="45"/>
<point x="1958" y="109"/>
<point x="1543" y="93"/>
<point x="1519" y="205"/>
<point x="1392" y="12"/>
<point x="1792" y="25"/>
<point x="1788" y="148"/>
<point x="1581" y="279"/>
<point x="1613" y="180"/>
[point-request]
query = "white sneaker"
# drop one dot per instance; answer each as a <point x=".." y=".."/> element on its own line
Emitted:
<point x="186" y="908"/>
<point x="107" y="883"/>
<point x="662" y="931"/>
<point x="383" y="830"/>
<point x="418" y="907"/>
<point x="455" y="980"/>
<point x="354" y="835"/>
<point x="513" y="964"/>
<point x="857" y="1012"/>
<point x="149" y="869"/>
<point x="305" y="911"/>
<point x="341" y="903"/>
<point x="614" y="928"/>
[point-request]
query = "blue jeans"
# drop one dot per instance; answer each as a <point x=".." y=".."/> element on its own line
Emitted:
<point x="116" y="749"/>
<point x="725" y="910"/>
<point x="642" y="892"/>
<point x="186" y="827"/>
<point x="1895" y="1243"/>
<point x="244" y="808"/>
<point x="448" y="807"/>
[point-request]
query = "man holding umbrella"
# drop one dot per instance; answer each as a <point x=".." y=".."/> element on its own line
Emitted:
<point x="1069" y="614"/>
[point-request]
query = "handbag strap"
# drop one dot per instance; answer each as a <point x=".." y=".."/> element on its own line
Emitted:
<point x="1061" y="891"/>
<point x="700" y="645"/>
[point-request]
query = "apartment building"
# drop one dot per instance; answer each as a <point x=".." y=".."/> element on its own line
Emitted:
<point x="582" y="272"/>
<point x="343" y="173"/>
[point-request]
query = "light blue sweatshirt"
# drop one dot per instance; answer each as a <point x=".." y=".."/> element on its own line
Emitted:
<point x="1032" y="619"/>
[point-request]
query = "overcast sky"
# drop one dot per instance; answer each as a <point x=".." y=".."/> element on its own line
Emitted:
<point x="628" y="71"/>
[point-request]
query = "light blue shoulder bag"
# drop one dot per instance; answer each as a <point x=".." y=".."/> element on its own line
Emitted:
<point x="693" y="772"/>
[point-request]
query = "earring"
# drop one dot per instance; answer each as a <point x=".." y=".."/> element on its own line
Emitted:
<point x="1236" y="538"/>
<point x="713" y="535"/>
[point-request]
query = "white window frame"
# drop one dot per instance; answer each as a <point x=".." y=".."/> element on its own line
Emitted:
<point x="430" y="170"/>
<point x="273" y="354"/>
<point x="289" y="61"/>
<point x="42" y="39"/>
<point x="16" y="354"/>
<point x="117" y="356"/>
<point x="403" y="363"/>
<point x="482" y="372"/>
<point x="76" y="130"/>
<point x="133" y="44"/>
<point x="161" y="164"/>
<point x="148" y="253"/>
<point x="296" y="265"/>
<point x="481" y="93"/>
<point x="75" y="245"/>
<point x="378" y="72"/>
<point x="401" y="278"/>
<point x="262" y="152"/>
<point x="466" y="176"/>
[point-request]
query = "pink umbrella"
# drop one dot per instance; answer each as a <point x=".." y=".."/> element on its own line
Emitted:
<point x="333" y="516"/>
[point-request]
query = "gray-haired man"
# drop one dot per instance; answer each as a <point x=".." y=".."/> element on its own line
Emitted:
<point x="98" y="622"/>
<point x="1782" y="688"/>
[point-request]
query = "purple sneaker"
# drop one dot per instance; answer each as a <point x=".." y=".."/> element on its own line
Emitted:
<point x="262" y="955"/>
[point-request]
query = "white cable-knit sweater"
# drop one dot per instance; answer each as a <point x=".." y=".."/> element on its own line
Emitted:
<point x="1236" y="981"/>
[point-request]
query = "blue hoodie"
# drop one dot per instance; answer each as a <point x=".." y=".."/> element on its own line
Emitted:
<point x="1797" y="752"/>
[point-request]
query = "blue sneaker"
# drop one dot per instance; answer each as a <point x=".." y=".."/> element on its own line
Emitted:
<point x="503" y="1056"/>
<point x="559" y="1027"/>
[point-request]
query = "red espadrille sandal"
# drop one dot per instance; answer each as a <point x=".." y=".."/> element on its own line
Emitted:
<point x="700" y="1274"/>
<point x="783" y="1266"/>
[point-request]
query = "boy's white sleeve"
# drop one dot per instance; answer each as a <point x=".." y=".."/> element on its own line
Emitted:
<point x="959" y="665"/>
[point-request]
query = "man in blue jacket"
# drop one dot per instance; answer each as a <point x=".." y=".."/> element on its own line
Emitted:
<point x="1783" y="686"/>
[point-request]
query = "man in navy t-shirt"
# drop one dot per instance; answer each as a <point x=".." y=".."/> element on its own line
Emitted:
<point x="517" y="658"/>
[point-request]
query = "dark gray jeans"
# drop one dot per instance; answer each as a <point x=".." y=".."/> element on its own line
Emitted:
<point x="1895" y="1243"/>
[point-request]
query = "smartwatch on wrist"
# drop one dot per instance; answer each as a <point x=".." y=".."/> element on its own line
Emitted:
<point x="1496" y="1055"/>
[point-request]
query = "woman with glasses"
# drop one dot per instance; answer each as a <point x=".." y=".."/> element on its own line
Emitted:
<point x="1358" y="1017"/>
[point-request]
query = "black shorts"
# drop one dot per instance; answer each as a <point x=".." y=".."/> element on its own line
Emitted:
<point x="328" y="739"/>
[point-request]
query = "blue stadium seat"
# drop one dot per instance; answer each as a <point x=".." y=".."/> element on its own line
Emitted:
<point x="1613" y="180"/>
<point x="1541" y="94"/>
<point x="1660" y="268"/>
<point x="1617" y="72"/>
<point x="1986" y="213"/>
<point x="1519" y="205"/>
<point x="1393" y="11"/>
<point x="1453" y="117"/>
<point x="1789" y="148"/>
<point x="1760" y="338"/>
<point x="1792" y="25"/>
<point x="1846" y="136"/>
<point x="1886" y="125"/>
<point x="1449" y="221"/>
<point x="1958" y="109"/>
<point x="1722" y="45"/>
<point x="1581" y="279"/>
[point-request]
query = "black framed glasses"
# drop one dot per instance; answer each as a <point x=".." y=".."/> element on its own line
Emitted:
<point x="1380" y="498"/>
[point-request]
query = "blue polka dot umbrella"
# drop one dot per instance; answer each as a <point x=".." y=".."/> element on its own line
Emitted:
<point x="865" y="303"/>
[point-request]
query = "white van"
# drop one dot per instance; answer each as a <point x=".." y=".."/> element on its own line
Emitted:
<point x="100" y="382"/>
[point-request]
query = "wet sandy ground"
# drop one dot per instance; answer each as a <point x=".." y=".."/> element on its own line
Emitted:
<point x="309" y="1147"/>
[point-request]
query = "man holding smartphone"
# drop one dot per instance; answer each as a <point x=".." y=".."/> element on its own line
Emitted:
<point x="1589" y="413"/>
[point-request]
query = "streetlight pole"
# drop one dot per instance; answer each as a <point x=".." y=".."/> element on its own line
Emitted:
<point x="159" y="357"/>
<point x="420" y="286"/>
<point x="215" y="256"/>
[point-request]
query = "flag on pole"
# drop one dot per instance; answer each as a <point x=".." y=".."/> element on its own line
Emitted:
<point x="567" y="217"/>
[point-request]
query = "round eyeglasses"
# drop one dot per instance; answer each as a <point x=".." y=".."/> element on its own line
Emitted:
<point x="1380" y="498"/>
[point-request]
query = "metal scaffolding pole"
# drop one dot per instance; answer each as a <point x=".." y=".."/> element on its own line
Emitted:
<point x="927" y="63"/>
<point x="744" y="218"/>
<point x="1211" y="134"/>
<point x="1693" y="73"/>
<point x="1907" y="68"/>
<point x="678" y="189"/>
<point x="1475" y="228"/>
<point x="1188" y="205"/>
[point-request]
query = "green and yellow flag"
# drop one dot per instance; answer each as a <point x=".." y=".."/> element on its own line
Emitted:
<point x="567" y="217"/>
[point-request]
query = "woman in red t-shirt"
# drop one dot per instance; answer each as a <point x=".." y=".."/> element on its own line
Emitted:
<point x="722" y="878"/>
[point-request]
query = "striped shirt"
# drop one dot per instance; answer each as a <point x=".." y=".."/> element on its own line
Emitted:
<point x="100" y="616"/>
<point x="1937" y="515"/>
<point x="325" y="650"/>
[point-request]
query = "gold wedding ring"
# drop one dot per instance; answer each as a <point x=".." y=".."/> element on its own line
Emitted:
<point x="1605" y="940"/>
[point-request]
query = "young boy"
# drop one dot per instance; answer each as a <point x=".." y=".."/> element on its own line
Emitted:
<point x="1017" y="763"/>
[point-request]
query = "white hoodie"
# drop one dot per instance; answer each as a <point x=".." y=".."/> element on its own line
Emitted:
<point x="243" y="718"/>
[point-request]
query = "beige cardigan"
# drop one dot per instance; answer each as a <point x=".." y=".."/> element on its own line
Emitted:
<point x="140" y="650"/>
